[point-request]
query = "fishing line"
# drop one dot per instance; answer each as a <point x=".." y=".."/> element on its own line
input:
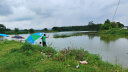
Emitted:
<point x="116" y="10"/>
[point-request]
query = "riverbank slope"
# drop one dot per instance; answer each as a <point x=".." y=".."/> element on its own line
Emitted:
<point x="19" y="57"/>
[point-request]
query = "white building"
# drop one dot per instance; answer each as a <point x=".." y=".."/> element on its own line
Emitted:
<point x="125" y="27"/>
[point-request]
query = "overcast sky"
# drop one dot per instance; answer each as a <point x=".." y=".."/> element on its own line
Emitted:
<point x="40" y="14"/>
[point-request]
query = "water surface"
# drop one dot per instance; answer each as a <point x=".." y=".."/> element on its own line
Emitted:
<point x="113" y="49"/>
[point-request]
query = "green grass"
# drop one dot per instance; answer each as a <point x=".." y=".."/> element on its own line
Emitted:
<point x="5" y="46"/>
<point x="113" y="34"/>
<point x="61" y="36"/>
<point x="19" y="57"/>
<point x="116" y="31"/>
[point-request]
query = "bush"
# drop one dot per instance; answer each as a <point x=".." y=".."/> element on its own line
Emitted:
<point x="14" y="50"/>
<point x="27" y="47"/>
<point x="49" y="51"/>
<point x="59" y="57"/>
<point x="70" y="54"/>
<point x="37" y="47"/>
<point x="79" y="54"/>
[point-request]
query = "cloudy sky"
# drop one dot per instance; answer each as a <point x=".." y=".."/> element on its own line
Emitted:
<point x="40" y="14"/>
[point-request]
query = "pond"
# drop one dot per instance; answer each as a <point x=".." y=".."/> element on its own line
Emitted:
<point x="113" y="49"/>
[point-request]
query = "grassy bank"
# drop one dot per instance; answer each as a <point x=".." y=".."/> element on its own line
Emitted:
<point x="113" y="34"/>
<point x="6" y="46"/>
<point x="18" y="57"/>
<point x="115" y="31"/>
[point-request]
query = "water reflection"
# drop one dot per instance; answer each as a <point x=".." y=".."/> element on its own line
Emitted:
<point x="91" y="36"/>
<point x="111" y="38"/>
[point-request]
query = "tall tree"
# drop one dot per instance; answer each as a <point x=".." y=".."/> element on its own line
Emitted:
<point x="120" y="25"/>
<point x="16" y="30"/>
<point x="106" y="25"/>
<point x="2" y="28"/>
<point x="31" y="30"/>
<point x="26" y="30"/>
<point x="107" y="22"/>
<point x="45" y="29"/>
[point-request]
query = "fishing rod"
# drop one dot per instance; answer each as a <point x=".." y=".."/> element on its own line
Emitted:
<point x="116" y="10"/>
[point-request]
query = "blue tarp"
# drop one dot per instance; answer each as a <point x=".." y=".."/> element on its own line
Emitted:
<point x="4" y="35"/>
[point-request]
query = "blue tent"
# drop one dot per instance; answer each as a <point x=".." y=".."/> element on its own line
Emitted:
<point x="4" y="35"/>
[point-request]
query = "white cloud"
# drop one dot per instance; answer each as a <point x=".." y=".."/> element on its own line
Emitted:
<point x="39" y="14"/>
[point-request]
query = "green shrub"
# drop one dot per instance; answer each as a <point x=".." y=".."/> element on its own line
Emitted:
<point x="116" y="31"/>
<point x="49" y="51"/>
<point x="27" y="47"/>
<point x="70" y="54"/>
<point x="79" y="54"/>
<point x="37" y="47"/>
<point x="14" y="50"/>
<point x="59" y="57"/>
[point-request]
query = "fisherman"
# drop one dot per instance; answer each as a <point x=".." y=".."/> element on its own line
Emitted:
<point x="44" y="40"/>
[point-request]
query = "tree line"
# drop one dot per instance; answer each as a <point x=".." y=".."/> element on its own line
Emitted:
<point x="90" y="27"/>
<point x="5" y="30"/>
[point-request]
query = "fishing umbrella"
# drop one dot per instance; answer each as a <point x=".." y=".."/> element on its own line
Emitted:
<point x="3" y="35"/>
<point x="33" y="37"/>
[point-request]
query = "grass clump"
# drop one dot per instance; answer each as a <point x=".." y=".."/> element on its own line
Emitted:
<point x="6" y="46"/>
<point x="49" y="51"/>
<point x="34" y="58"/>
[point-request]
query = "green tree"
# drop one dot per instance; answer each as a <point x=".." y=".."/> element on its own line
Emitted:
<point x="16" y="30"/>
<point x="107" y="22"/>
<point x="114" y="25"/>
<point x="31" y="30"/>
<point x="55" y="28"/>
<point x="117" y="25"/>
<point x="45" y="29"/>
<point x="26" y="30"/>
<point x="120" y="25"/>
<point x="2" y="28"/>
<point x="106" y="25"/>
<point x="7" y="29"/>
